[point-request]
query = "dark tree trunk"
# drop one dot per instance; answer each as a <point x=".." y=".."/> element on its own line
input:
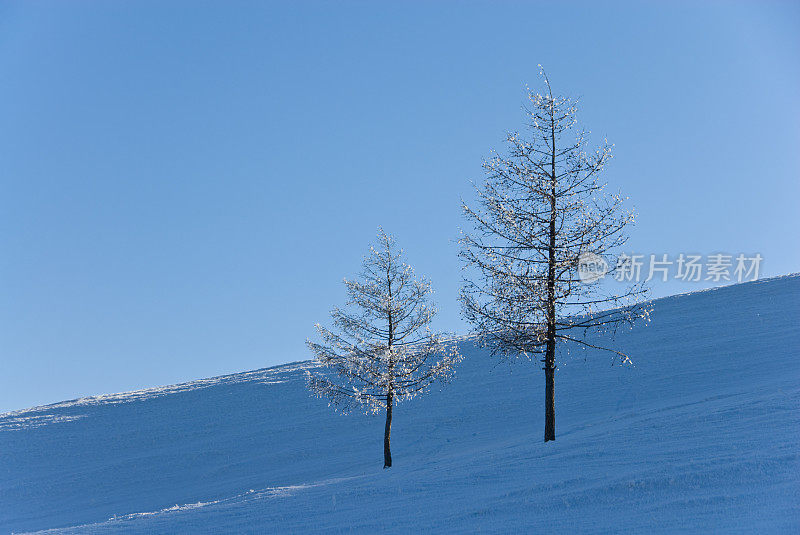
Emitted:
<point x="549" y="398"/>
<point x="387" y="453"/>
<point x="387" y="431"/>
<point x="550" y="355"/>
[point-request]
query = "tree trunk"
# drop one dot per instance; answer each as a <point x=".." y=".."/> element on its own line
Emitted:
<point x="550" y="355"/>
<point x="549" y="398"/>
<point x="387" y="453"/>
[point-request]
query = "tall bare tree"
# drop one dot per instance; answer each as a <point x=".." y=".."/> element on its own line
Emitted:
<point x="542" y="211"/>
<point x="382" y="350"/>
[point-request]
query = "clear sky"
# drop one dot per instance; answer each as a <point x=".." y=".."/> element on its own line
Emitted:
<point x="184" y="185"/>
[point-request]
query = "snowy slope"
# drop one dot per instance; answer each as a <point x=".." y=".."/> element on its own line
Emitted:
<point x="701" y="434"/>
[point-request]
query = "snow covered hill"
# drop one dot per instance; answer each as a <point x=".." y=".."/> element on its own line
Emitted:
<point x="701" y="434"/>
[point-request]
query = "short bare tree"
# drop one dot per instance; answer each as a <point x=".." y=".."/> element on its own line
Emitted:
<point x="382" y="350"/>
<point x="542" y="211"/>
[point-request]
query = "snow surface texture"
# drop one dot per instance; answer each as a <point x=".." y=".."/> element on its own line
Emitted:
<point x="701" y="434"/>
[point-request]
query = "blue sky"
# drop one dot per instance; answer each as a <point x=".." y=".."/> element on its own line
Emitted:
<point x="184" y="185"/>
